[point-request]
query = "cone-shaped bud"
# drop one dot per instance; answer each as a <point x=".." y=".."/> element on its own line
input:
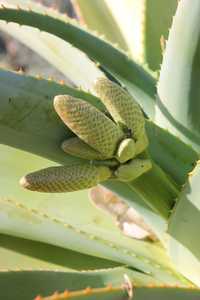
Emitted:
<point x="121" y="105"/>
<point x="90" y="124"/>
<point x="126" y="150"/>
<point x="133" y="169"/>
<point x="65" y="178"/>
<point x="76" y="147"/>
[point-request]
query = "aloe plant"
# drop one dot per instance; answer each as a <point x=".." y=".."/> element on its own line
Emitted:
<point x="57" y="245"/>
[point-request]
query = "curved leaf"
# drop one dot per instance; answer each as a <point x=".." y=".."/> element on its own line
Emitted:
<point x="28" y="120"/>
<point x="87" y="286"/>
<point x="27" y="285"/>
<point x="178" y="87"/>
<point x="96" y="15"/>
<point x="71" y="222"/>
<point x="45" y="217"/>
<point x="133" y="76"/>
<point x="157" y="22"/>
<point x="70" y="61"/>
<point x="175" y="157"/>
<point x="127" y="193"/>
<point x="136" y="20"/>
<point x="22" y="254"/>
<point x="137" y="292"/>
<point x="129" y="16"/>
<point x="184" y="244"/>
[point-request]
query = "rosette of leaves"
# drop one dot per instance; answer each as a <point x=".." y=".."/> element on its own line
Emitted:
<point x="48" y="240"/>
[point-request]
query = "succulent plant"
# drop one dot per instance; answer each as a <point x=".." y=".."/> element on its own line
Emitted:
<point x="113" y="147"/>
<point x="132" y="127"/>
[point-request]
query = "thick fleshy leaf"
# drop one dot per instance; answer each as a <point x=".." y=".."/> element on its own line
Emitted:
<point x="128" y="194"/>
<point x="139" y="82"/>
<point x="28" y="119"/>
<point x="96" y="15"/>
<point x="184" y="242"/>
<point x="174" y="157"/>
<point x="74" y="64"/>
<point x="129" y="16"/>
<point x="52" y="213"/>
<point x="141" y="24"/>
<point x="178" y="106"/>
<point x="33" y="287"/>
<point x="69" y="221"/>
<point x="157" y="22"/>
<point x="107" y="285"/>
<point x="22" y="254"/>
<point x="127" y="293"/>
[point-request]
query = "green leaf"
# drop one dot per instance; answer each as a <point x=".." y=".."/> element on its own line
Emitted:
<point x="175" y="157"/>
<point x="128" y="194"/>
<point x="21" y="254"/>
<point x="74" y="64"/>
<point x="178" y="88"/>
<point x="184" y="224"/>
<point x="28" y="120"/>
<point x="18" y="256"/>
<point x="69" y="221"/>
<point x="166" y="293"/>
<point x="135" y="21"/>
<point x="140" y="83"/>
<point x="157" y="21"/>
<point x="129" y="15"/>
<point x="96" y="15"/>
<point x="27" y="285"/>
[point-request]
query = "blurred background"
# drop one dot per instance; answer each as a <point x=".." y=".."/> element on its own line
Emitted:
<point x="14" y="55"/>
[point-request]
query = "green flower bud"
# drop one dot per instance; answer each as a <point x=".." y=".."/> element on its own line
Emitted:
<point x="65" y="178"/>
<point x="123" y="109"/>
<point x="89" y="124"/>
<point x="126" y="150"/>
<point x="133" y="169"/>
<point x="76" y="147"/>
